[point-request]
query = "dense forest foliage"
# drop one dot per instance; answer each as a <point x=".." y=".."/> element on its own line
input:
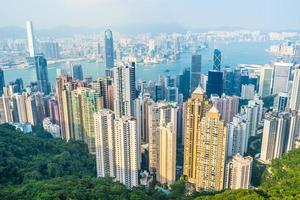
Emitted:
<point x="36" y="166"/>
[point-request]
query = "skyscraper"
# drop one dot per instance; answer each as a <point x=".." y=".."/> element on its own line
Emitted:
<point x="195" y="108"/>
<point x="275" y="136"/>
<point x="30" y="39"/>
<point x="91" y="102"/>
<point x="237" y="136"/>
<point x="217" y="60"/>
<point x="31" y="110"/>
<point x="76" y="71"/>
<point x="195" y="72"/>
<point x="281" y="75"/>
<point x="167" y="154"/>
<point x="281" y="102"/>
<point x="21" y="105"/>
<point x="238" y="172"/>
<point x="210" y="152"/>
<point x="42" y="74"/>
<point x="104" y="86"/>
<point x="109" y="49"/>
<point x="54" y="111"/>
<point x="228" y="107"/>
<point x="160" y="113"/>
<point x="214" y="83"/>
<point x="124" y="90"/>
<point x="145" y="114"/>
<point x="253" y="112"/>
<point x="63" y="96"/>
<point x="184" y="83"/>
<point x="295" y="94"/>
<point x="265" y="81"/>
<point x="228" y="76"/>
<point x="127" y="148"/>
<point x="2" y="82"/>
<point x="5" y="109"/>
<point x="248" y="91"/>
<point x="105" y="143"/>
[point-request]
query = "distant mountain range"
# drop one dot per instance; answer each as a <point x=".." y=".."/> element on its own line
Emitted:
<point x="132" y="29"/>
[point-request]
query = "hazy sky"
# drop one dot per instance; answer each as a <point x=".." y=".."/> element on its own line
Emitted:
<point x="253" y="14"/>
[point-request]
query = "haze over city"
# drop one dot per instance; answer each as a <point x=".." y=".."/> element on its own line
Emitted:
<point x="191" y="14"/>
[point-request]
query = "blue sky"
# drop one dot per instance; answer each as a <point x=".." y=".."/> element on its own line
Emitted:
<point x="191" y="14"/>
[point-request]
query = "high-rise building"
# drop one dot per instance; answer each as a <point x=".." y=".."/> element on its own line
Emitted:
<point x="295" y="93"/>
<point x="215" y="83"/>
<point x="217" y="60"/>
<point x="275" y="136"/>
<point x="5" y="109"/>
<point x="42" y="74"/>
<point x="31" y="39"/>
<point x="195" y="108"/>
<point x="105" y="143"/>
<point x="281" y="75"/>
<point x="237" y="82"/>
<point x="124" y="90"/>
<point x="32" y="110"/>
<point x="228" y="76"/>
<point x="184" y="83"/>
<point x="21" y="106"/>
<point x="248" y="91"/>
<point x="84" y="103"/>
<point x="237" y="136"/>
<point x="54" y="111"/>
<point x="238" y="172"/>
<point x="167" y="155"/>
<point x="91" y="102"/>
<point x="172" y="94"/>
<point x="294" y="130"/>
<point x="104" y="86"/>
<point x="227" y="105"/>
<point x="210" y="152"/>
<point x="76" y="71"/>
<point x="195" y="72"/>
<point x="265" y="81"/>
<point x="126" y="151"/>
<point x="2" y="82"/>
<point x="253" y="112"/>
<point x="281" y="102"/>
<point x="146" y="102"/>
<point x="109" y="49"/>
<point x="203" y="81"/>
<point x="160" y="113"/>
<point x="63" y="88"/>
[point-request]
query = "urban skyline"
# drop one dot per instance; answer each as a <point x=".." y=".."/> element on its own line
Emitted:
<point x="210" y="128"/>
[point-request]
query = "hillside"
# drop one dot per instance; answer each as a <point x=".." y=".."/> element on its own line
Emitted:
<point x="34" y="166"/>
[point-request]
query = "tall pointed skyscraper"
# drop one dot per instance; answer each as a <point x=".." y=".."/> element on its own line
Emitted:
<point x="217" y="60"/>
<point x="42" y="74"/>
<point x="109" y="49"/>
<point x="30" y="39"/>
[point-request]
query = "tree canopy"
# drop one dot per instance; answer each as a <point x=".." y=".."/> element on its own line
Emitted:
<point x="36" y="166"/>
